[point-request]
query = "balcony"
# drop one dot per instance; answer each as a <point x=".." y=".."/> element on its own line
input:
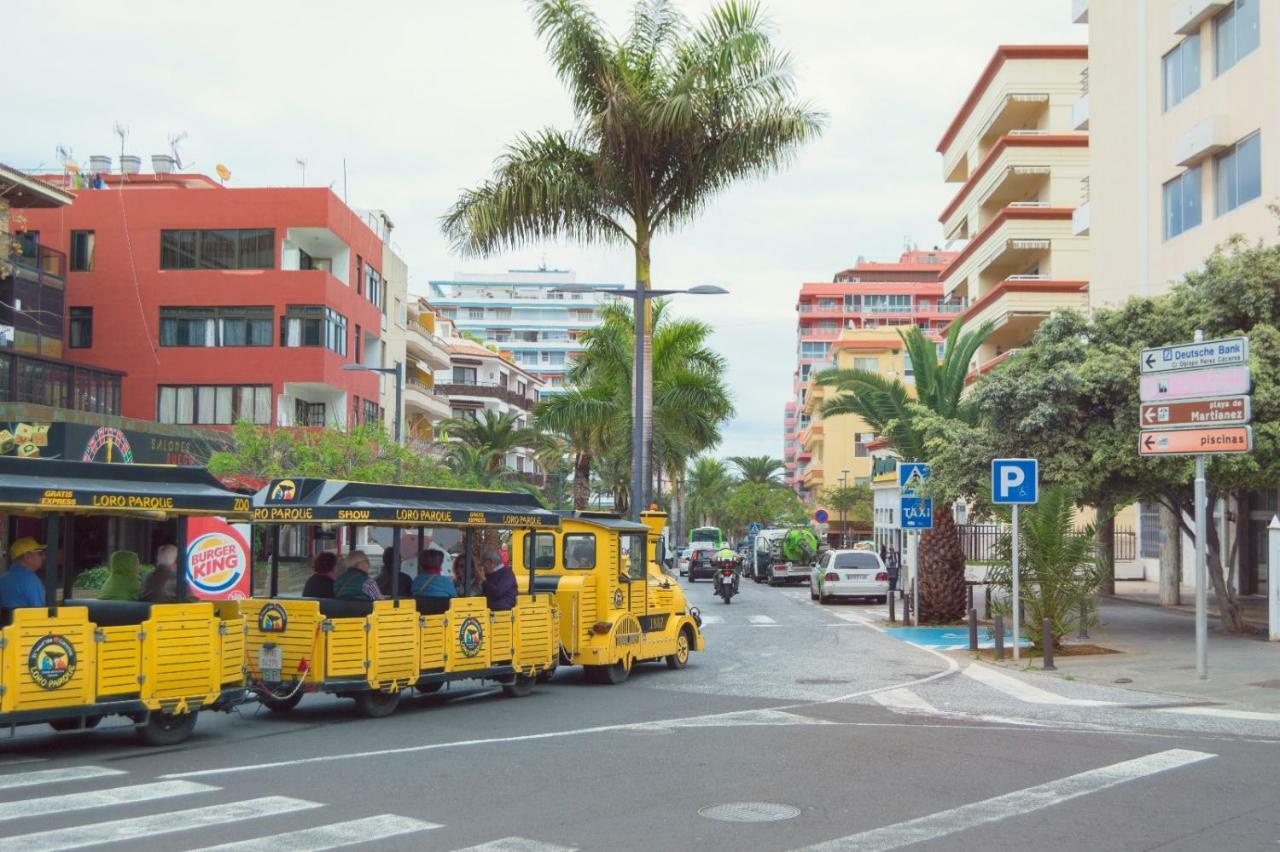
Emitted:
<point x="421" y="398"/>
<point x="426" y="347"/>
<point x="484" y="391"/>
<point x="1018" y="239"/>
<point x="38" y="262"/>
<point x="1080" y="220"/>
<point x="984" y="367"/>
<point x="1016" y="306"/>
<point x="27" y="378"/>
<point x="1202" y="140"/>
<point x="1187" y="16"/>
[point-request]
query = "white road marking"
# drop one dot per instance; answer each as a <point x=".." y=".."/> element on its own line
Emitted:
<point x="332" y="836"/>
<point x="743" y="717"/>
<point x="904" y="701"/>
<point x="1222" y="713"/>
<point x="165" y="823"/>
<point x="760" y="619"/>
<point x="15" y="759"/>
<point x="1015" y="688"/>
<point x="54" y="776"/>
<point x="1010" y="805"/>
<point x="711" y="619"/>
<point x="100" y="799"/>
<point x="517" y="844"/>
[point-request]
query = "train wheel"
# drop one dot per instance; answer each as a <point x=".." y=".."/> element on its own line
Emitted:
<point x="611" y="675"/>
<point x="426" y="687"/>
<point x="376" y="704"/>
<point x="167" y="729"/>
<point x="520" y="686"/>
<point x="546" y="675"/>
<point x="279" y="705"/>
<point x="680" y="658"/>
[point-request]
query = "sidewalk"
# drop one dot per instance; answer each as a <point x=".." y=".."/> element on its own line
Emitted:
<point x="1254" y="607"/>
<point x="1159" y="655"/>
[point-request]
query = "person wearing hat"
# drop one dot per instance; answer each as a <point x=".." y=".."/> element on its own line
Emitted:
<point x="20" y="586"/>
<point x="355" y="584"/>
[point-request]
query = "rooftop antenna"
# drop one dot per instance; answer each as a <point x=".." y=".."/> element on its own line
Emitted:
<point x="121" y="131"/>
<point x="303" y="165"/>
<point x="174" y="139"/>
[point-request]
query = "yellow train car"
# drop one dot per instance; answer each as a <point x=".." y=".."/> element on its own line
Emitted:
<point x="70" y="663"/>
<point x="617" y="606"/>
<point x="372" y="650"/>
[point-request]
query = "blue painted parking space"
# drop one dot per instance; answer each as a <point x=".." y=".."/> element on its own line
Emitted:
<point x="950" y="638"/>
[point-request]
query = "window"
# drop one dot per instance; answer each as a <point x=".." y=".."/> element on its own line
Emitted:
<point x="375" y="288"/>
<point x="314" y="325"/>
<point x="359" y="275"/>
<point x="214" y="404"/>
<point x="464" y="414"/>
<point x="475" y="313"/>
<point x="580" y="551"/>
<point x="860" y="441"/>
<point x="1235" y="33"/>
<point x="1237" y="174"/>
<point x="1182" y="203"/>
<point x="1181" y="68"/>
<point x="814" y="350"/>
<point x="631" y="549"/>
<point x="220" y="326"/>
<point x="308" y="413"/>
<point x="540" y="550"/>
<point x="370" y="412"/>
<point x="464" y="375"/>
<point x="871" y="365"/>
<point x="358" y="342"/>
<point x="253" y="248"/>
<point x="82" y="251"/>
<point x="80" y="330"/>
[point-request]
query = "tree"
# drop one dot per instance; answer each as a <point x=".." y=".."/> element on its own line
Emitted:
<point x="585" y="417"/>
<point x="759" y="469"/>
<point x="886" y="405"/>
<point x="708" y="482"/>
<point x="491" y="433"/>
<point x="665" y="118"/>
<point x="757" y="502"/>
<point x="853" y="502"/>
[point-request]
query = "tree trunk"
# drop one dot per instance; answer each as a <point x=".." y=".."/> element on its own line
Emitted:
<point x="943" y="595"/>
<point x="1170" y="558"/>
<point x="582" y="481"/>
<point x="1228" y="604"/>
<point x="644" y="355"/>
<point x="1107" y="546"/>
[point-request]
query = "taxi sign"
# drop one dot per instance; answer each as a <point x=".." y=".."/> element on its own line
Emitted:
<point x="1191" y="442"/>
<point x="914" y="510"/>
<point x="1226" y="352"/>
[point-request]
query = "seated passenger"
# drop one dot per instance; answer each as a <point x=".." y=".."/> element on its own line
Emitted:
<point x="161" y="585"/>
<point x="20" y="586"/>
<point x="320" y="583"/>
<point x="582" y="556"/>
<point x="430" y="583"/>
<point x="355" y="584"/>
<point x="497" y="581"/>
<point x="384" y="576"/>
<point x="122" y="577"/>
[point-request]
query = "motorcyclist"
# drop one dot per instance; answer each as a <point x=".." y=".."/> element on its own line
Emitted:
<point x="725" y="558"/>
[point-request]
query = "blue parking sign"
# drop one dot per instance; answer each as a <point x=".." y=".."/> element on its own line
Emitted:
<point x="1015" y="481"/>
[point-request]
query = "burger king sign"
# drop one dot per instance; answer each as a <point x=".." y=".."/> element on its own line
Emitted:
<point x="217" y="560"/>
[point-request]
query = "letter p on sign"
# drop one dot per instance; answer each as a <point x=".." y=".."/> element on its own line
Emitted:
<point x="1015" y="481"/>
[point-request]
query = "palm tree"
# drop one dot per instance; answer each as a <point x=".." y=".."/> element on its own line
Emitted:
<point x="492" y="433"/>
<point x="708" y="483"/>
<point x="759" y="469"/>
<point x="888" y="408"/>
<point x="585" y="417"/>
<point x="666" y="118"/>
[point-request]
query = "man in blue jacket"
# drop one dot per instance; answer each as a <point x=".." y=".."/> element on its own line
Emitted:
<point x="20" y="586"/>
<point x="499" y="582"/>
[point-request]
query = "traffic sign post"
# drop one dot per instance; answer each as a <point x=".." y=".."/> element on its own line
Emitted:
<point x="1195" y="401"/>
<point x="915" y="513"/>
<point x="1015" y="482"/>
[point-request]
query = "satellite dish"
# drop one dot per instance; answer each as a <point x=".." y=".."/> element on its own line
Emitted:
<point x="223" y="172"/>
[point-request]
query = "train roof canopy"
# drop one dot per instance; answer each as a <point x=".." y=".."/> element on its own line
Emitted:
<point x="302" y="500"/>
<point x="52" y="485"/>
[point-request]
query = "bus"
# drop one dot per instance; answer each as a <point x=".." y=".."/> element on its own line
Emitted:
<point x="706" y="536"/>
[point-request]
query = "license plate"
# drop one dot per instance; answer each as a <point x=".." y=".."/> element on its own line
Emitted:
<point x="857" y="576"/>
<point x="270" y="661"/>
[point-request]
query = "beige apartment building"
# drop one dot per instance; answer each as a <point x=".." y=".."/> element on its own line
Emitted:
<point x="1183" y="111"/>
<point x="1018" y="154"/>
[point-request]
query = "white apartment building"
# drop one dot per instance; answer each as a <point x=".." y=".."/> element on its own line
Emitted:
<point x="520" y="312"/>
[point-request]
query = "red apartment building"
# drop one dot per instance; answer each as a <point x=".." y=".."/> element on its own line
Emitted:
<point x="868" y="295"/>
<point x="222" y="304"/>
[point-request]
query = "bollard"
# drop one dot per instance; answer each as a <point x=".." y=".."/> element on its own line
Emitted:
<point x="892" y="620"/>
<point x="999" y="619"/>
<point x="973" y="629"/>
<point x="970" y="587"/>
<point x="1046" y="629"/>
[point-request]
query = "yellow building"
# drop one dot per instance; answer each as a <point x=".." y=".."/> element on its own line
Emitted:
<point x="831" y="446"/>
<point x="1020" y="161"/>
<point x="1184" y="118"/>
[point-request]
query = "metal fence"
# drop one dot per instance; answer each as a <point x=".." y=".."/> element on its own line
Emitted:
<point x="980" y="542"/>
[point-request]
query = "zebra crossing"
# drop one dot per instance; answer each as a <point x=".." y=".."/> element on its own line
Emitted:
<point x="25" y="823"/>
<point x="746" y="620"/>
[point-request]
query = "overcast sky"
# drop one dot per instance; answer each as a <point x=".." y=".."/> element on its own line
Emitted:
<point x="419" y="97"/>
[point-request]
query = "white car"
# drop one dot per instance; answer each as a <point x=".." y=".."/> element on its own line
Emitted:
<point x="849" y="574"/>
<point x="682" y="561"/>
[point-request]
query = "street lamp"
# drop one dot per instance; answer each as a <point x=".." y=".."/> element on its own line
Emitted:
<point x="398" y="372"/>
<point x="640" y="462"/>
<point x="844" y="496"/>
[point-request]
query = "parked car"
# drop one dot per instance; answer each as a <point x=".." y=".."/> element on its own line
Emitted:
<point x="682" y="561"/>
<point x="849" y="574"/>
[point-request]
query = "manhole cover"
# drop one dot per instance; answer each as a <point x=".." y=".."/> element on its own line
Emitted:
<point x="821" y="680"/>
<point x="750" y="812"/>
<point x="1123" y="680"/>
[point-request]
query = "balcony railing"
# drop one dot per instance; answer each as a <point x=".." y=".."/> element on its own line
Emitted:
<point x="38" y="261"/>
<point x="951" y="307"/>
<point x="490" y="391"/>
<point x="58" y="384"/>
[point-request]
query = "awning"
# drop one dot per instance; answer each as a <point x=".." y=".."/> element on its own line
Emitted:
<point x="301" y="501"/>
<point x="41" y="486"/>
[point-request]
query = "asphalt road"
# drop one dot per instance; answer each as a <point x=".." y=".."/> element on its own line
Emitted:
<point x="809" y="713"/>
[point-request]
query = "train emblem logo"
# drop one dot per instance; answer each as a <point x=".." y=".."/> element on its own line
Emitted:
<point x="52" y="661"/>
<point x="272" y="619"/>
<point x="617" y="598"/>
<point x="470" y="637"/>
<point x="284" y="491"/>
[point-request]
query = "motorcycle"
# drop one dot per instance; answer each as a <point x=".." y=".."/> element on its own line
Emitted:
<point x="726" y="582"/>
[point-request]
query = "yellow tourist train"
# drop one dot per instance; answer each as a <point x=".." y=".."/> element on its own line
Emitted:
<point x="69" y="663"/>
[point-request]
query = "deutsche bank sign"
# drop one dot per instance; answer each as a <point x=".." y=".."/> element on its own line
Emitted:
<point x="1015" y="481"/>
<point x="914" y="510"/>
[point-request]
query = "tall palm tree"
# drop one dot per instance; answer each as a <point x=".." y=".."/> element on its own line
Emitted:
<point x="762" y="470"/>
<point x="496" y="434"/>
<point x="585" y="417"/>
<point x="887" y="407"/>
<point x="666" y="117"/>
<point x="708" y="483"/>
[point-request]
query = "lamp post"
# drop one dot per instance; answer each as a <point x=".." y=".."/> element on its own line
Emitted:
<point x="640" y="453"/>
<point x="844" y="479"/>
<point x="398" y="372"/>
